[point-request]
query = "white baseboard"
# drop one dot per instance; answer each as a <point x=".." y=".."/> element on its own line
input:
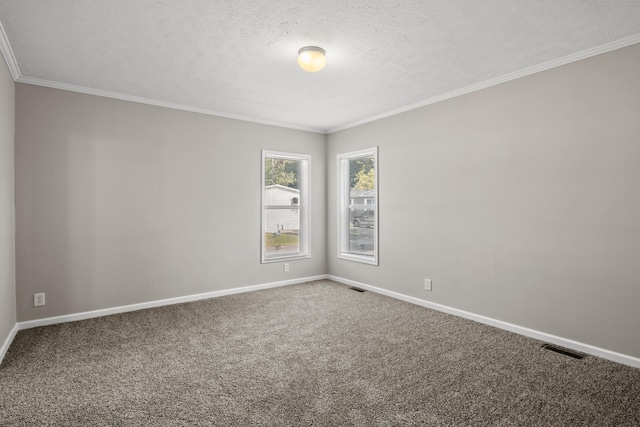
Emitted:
<point x="7" y="342"/>
<point x="133" y="307"/>
<point x="542" y="336"/>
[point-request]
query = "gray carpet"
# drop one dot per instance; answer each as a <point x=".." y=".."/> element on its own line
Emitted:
<point x="313" y="354"/>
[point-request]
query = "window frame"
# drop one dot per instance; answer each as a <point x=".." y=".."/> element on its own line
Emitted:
<point x="344" y="196"/>
<point x="304" y="236"/>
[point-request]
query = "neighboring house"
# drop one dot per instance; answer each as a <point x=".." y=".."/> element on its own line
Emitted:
<point x="362" y="201"/>
<point x="366" y="197"/>
<point x="362" y="205"/>
<point x="282" y="209"/>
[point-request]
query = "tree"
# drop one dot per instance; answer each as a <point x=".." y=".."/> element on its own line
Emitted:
<point x="359" y="166"/>
<point x="281" y="172"/>
<point x="365" y="180"/>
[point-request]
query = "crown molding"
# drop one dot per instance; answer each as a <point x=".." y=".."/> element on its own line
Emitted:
<point x="141" y="100"/>
<point x="618" y="44"/>
<point x="7" y="52"/>
<point x="12" y="64"/>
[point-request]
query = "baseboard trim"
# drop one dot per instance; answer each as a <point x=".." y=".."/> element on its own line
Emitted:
<point x="7" y="342"/>
<point x="531" y="333"/>
<point x="158" y="303"/>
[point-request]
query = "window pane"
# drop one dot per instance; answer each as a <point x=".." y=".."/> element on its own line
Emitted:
<point x="358" y="204"/>
<point x="284" y="205"/>
<point x="282" y="212"/>
<point x="284" y="172"/>
<point x="362" y="209"/>
<point x="282" y="231"/>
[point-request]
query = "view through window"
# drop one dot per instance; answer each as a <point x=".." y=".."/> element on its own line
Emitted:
<point x="358" y="225"/>
<point x="284" y="206"/>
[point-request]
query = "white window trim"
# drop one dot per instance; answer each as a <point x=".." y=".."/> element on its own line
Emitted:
<point x="304" y="205"/>
<point x="344" y="196"/>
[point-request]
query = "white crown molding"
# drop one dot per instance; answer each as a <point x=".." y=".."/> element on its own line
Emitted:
<point x="531" y="333"/>
<point x="628" y="41"/>
<point x="7" y="52"/>
<point x="159" y="303"/>
<point x="141" y="100"/>
<point x="12" y="64"/>
<point x="7" y="342"/>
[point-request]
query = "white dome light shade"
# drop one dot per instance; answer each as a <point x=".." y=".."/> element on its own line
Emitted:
<point x="312" y="58"/>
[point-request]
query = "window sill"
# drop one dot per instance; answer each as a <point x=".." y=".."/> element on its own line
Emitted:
<point x="284" y="258"/>
<point x="359" y="258"/>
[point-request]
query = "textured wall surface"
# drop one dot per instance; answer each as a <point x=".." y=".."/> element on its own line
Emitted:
<point x="520" y="201"/>
<point x="7" y="224"/>
<point x="120" y="203"/>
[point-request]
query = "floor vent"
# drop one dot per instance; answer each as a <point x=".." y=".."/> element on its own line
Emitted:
<point x="562" y="351"/>
<point x="357" y="289"/>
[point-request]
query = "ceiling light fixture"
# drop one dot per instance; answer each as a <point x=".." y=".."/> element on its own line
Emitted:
<point x="312" y="58"/>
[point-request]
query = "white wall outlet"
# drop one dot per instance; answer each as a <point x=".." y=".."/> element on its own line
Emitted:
<point x="38" y="300"/>
<point x="427" y="284"/>
<point x="286" y="267"/>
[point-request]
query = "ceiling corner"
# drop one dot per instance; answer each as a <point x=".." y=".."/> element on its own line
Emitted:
<point x="7" y="52"/>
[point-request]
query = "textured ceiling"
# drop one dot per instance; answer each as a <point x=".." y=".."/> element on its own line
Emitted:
<point x="238" y="58"/>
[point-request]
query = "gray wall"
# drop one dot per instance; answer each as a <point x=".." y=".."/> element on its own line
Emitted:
<point x="7" y="247"/>
<point x="120" y="203"/>
<point x="520" y="201"/>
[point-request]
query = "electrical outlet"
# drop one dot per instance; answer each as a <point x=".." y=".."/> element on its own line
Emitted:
<point x="38" y="300"/>
<point x="286" y="267"/>
<point x="427" y="284"/>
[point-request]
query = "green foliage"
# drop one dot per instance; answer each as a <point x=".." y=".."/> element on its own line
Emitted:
<point x="366" y="180"/>
<point x="361" y="168"/>
<point x="282" y="172"/>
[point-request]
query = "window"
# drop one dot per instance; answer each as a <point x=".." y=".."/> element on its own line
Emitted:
<point x="358" y="205"/>
<point x="285" y="206"/>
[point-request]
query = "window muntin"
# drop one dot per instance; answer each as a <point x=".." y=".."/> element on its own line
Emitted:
<point x="285" y="206"/>
<point x="358" y="206"/>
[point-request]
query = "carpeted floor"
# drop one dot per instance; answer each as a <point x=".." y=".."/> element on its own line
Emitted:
<point x="312" y="354"/>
